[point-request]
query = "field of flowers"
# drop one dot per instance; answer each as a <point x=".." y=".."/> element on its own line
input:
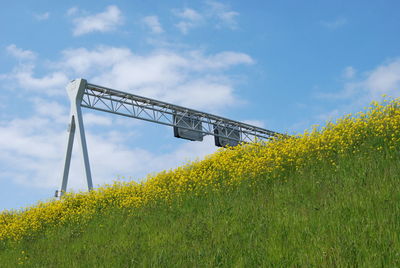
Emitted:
<point x="377" y="128"/>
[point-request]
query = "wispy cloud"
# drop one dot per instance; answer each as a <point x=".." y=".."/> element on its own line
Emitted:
<point x="349" y="72"/>
<point x="384" y="79"/>
<point x="23" y="76"/>
<point x="102" y="22"/>
<point x="370" y="85"/>
<point x="190" y="18"/>
<point x="334" y="24"/>
<point x="225" y="16"/>
<point x="153" y="24"/>
<point x="49" y="84"/>
<point x="359" y="89"/>
<point x="72" y="11"/>
<point x="217" y="13"/>
<point x="42" y="16"/>
<point x="189" y="14"/>
<point x="19" y="53"/>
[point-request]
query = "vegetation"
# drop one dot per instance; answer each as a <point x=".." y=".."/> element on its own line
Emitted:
<point x="329" y="197"/>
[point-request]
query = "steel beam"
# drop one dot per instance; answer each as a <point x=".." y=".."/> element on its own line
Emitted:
<point x="134" y="106"/>
<point x="83" y="94"/>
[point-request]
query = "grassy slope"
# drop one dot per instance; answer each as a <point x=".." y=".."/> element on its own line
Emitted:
<point x="318" y="216"/>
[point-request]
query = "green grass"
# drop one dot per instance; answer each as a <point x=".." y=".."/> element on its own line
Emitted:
<point x="316" y="217"/>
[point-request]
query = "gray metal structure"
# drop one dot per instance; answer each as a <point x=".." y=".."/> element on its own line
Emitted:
<point x="194" y="124"/>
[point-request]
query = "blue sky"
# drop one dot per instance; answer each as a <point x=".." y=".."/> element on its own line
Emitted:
<point x="282" y="65"/>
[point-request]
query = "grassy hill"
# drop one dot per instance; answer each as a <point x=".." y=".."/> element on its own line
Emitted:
<point x="329" y="197"/>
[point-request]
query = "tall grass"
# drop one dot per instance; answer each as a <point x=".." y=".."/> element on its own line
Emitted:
<point x="329" y="198"/>
<point x="319" y="216"/>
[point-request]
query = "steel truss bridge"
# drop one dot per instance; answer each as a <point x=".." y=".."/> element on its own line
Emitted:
<point x="187" y="123"/>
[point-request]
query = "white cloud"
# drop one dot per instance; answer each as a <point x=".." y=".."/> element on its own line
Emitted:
<point x="190" y="19"/>
<point x="225" y="16"/>
<point x="84" y="61"/>
<point x="185" y="26"/>
<point x="370" y="85"/>
<point x="102" y="22"/>
<point x="22" y="76"/>
<point x="33" y="150"/>
<point x="204" y="93"/>
<point x="189" y="14"/>
<point x="92" y="119"/>
<point x="349" y="72"/>
<point x="216" y="13"/>
<point x="20" y="53"/>
<point x="72" y="11"/>
<point x="187" y="77"/>
<point x="384" y="79"/>
<point x="220" y="60"/>
<point x="53" y="80"/>
<point x="48" y="84"/>
<point x="229" y="18"/>
<point x="30" y="137"/>
<point x="42" y="16"/>
<point x="159" y="69"/>
<point x="50" y="109"/>
<point x="153" y="23"/>
<point x="359" y="90"/>
<point x="334" y="24"/>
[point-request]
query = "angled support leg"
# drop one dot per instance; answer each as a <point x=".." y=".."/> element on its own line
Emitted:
<point x="84" y="150"/>
<point x="75" y="91"/>
<point x="68" y="154"/>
